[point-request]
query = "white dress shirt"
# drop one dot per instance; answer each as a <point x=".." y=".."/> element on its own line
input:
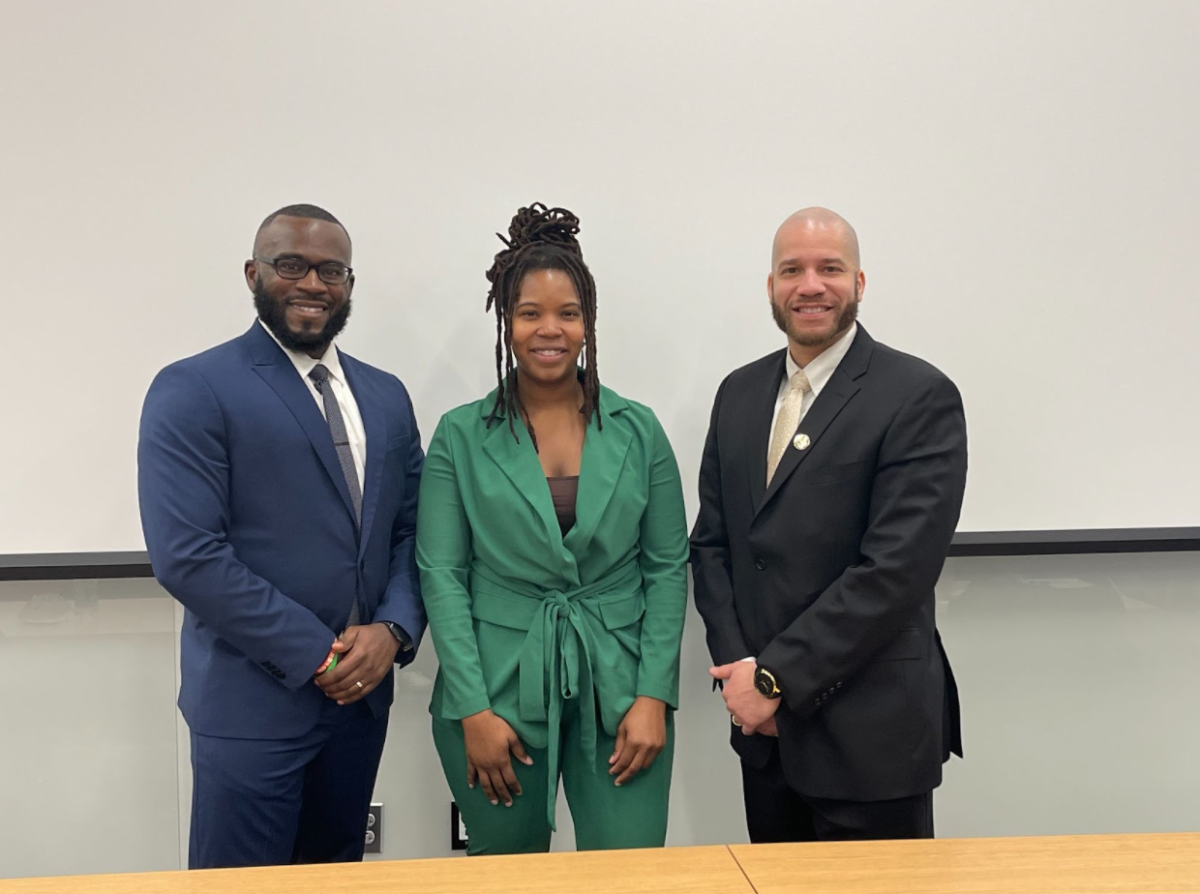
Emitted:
<point x="819" y="371"/>
<point x="341" y="390"/>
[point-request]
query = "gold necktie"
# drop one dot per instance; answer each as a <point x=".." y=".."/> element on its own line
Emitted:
<point x="787" y="421"/>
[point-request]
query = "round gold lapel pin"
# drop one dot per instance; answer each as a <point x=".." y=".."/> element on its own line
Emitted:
<point x="801" y="442"/>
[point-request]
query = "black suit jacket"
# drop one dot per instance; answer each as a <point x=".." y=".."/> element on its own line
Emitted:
<point x="827" y="576"/>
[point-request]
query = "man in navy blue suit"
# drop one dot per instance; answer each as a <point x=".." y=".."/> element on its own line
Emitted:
<point x="277" y="479"/>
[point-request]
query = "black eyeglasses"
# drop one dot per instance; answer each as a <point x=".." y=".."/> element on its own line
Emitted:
<point x="297" y="268"/>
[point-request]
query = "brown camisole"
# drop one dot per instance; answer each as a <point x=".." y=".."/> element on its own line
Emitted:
<point x="563" y="492"/>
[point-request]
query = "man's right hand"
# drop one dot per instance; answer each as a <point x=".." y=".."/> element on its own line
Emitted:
<point x="489" y="739"/>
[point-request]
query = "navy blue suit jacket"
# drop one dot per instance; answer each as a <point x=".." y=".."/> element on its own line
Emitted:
<point x="249" y="524"/>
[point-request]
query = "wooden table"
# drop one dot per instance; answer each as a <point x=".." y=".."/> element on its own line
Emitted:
<point x="1088" y="864"/>
<point x="679" y="870"/>
<point x="1079" y="864"/>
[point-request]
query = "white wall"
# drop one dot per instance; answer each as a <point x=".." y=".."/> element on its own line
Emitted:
<point x="1022" y="175"/>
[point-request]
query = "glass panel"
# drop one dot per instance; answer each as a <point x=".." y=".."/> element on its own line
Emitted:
<point x="1079" y="678"/>
<point x="88" y="755"/>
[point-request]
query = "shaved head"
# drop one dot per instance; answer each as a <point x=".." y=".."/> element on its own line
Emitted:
<point x="818" y="220"/>
<point x="815" y="283"/>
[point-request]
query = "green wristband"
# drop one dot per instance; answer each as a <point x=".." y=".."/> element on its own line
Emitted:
<point x="332" y="664"/>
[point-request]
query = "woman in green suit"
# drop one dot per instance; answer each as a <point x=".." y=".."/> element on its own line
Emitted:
<point x="552" y="544"/>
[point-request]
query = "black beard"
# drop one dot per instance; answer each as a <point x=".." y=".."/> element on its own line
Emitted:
<point x="271" y="312"/>
<point x="848" y="315"/>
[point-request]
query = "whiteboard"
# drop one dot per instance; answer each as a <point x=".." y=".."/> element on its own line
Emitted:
<point x="1022" y="176"/>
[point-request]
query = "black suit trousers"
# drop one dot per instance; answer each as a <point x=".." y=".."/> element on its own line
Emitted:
<point x="777" y="813"/>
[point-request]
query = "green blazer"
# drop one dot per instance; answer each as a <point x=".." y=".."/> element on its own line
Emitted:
<point x="525" y="619"/>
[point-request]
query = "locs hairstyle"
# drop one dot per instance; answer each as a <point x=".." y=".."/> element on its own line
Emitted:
<point x="539" y="238"/>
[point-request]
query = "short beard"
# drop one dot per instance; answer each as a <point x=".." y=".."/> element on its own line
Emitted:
<point x="272" y="312"/>
<point x="813" y="339"/>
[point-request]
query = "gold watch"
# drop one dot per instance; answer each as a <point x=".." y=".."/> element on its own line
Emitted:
<point x="765" y="683"/>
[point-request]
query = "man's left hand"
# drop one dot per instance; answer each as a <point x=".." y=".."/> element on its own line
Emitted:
<point x="370" y="650"/>
<point x="747" y="705"/>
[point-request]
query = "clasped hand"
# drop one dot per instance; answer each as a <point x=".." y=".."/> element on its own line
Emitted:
<point x="365" y="655"/>
<point x="749" y="708"/>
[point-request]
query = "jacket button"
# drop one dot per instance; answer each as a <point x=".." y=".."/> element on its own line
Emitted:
<point x="760" y="564"/>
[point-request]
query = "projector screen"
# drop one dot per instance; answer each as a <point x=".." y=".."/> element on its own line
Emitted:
<point x="1023" y="177"/>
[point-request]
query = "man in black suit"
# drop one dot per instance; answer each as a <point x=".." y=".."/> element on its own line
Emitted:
<point x="830" y="487"/>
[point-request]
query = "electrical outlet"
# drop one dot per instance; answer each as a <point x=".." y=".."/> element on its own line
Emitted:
<point x="374" y="840"/>
<point x="458" y="829"/>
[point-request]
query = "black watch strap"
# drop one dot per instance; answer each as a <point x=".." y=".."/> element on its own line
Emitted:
<point x="402" y="638"/>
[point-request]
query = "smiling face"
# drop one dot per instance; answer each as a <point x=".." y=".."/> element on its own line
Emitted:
<point x="304" y="314"/>
<point x="815" y="285"/>
<point x="547" y="327"/>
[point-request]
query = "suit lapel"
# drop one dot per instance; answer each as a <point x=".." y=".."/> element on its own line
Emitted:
<point x="273" y="366"/>
<point x="519" y="463"/>
<point x="375" y="428"/>
<point x="834" y="397"/>
<point x="603" y="460"/>
<point x="760" y="414"/>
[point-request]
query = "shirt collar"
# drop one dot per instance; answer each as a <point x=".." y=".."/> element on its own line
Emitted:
<point x="304" y="364"/>
<point x="820" y="369"/>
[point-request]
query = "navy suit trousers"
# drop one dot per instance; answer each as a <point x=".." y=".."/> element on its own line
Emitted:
<point x="268" y="802"/>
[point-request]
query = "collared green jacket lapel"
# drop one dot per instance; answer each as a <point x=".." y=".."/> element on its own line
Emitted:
<point x="515" y="461"/>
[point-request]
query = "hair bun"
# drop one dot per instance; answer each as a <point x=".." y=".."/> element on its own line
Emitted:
<point x="537" y="223"/>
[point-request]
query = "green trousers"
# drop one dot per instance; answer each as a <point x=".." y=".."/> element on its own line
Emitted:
<point x="606" y="817"/>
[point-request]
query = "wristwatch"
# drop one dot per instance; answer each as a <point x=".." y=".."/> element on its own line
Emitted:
<point x="765" y="683"/>
<point x="401" y="636"/>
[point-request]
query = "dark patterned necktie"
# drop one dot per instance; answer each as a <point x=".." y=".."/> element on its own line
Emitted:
<point x="341" y="443"/>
